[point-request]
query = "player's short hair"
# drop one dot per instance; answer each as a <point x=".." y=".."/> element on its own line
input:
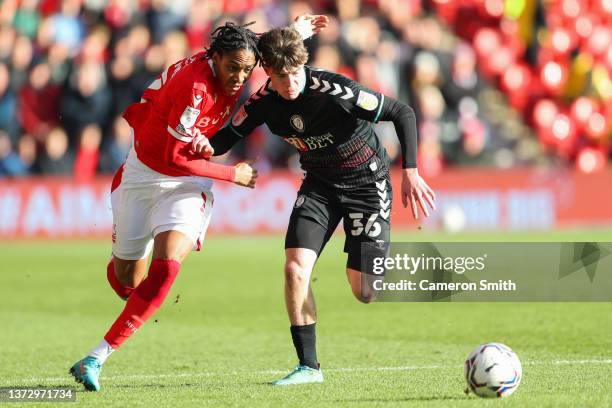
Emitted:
<point x="282" y="49"/>
<point x="232" y="37"/>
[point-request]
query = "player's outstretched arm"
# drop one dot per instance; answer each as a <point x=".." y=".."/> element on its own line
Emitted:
<point x="223" y="141"/>
<point x="414" y="189"/>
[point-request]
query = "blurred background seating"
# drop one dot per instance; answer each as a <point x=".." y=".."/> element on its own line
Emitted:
<point x="494" y="83"/>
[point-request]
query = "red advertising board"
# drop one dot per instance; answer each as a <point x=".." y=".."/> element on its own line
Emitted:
<point x="472" y="199"/>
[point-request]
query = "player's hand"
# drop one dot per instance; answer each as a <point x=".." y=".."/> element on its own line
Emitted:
<point x="418" y="192"/>
<point x="246" y="175"/>
<point x="308" y="24"/>
<point x="201" y="145"/>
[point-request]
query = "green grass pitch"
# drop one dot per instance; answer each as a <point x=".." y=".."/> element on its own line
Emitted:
<point x="222" y="334"/>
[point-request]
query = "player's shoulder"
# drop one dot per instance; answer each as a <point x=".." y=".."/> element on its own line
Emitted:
<point x="261" y="95"/>
<point x="321" y="74"/>
<point x="331" y="83"/>
<point x="195" y="79"/>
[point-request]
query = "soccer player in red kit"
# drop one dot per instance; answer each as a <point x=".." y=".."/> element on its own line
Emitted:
<point x="161" y="197"/>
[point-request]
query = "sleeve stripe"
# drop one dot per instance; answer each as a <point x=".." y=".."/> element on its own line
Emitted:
<point x="178" y="136"/>
<point x="235" y="131"/>
<point x="382" y="100"/>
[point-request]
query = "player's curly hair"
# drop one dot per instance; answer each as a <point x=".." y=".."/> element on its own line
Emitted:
<point x="231" y="37"/>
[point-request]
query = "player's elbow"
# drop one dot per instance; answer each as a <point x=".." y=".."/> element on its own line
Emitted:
<point x="406" y="111"/>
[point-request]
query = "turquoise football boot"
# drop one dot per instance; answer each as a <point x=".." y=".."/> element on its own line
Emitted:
<point x="87" y="372"/>
<point x="301" y="375"/>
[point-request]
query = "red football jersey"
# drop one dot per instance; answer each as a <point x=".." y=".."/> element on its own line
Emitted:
<point x="184" y="97"/>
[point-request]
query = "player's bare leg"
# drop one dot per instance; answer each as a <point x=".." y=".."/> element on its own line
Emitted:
<point x="169" y="250"/>
<point x="361" y="285"/>
<point x="302" y="312"/>
<point x="299" y="298"/>
<point x="130" y="273"/>
<point x="125" y="275"/>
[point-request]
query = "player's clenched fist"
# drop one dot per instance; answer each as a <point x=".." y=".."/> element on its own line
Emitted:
<point x="201" y="145"/>
<point x="245" y="175"/>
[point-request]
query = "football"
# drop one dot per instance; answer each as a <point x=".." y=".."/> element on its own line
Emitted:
<point x="493" y="370"/>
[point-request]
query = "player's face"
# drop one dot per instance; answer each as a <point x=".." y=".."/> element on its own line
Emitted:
<point x="233" y="69"/>
<point x="288" y="83"/>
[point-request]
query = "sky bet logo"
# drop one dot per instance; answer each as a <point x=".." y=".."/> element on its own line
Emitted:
<point x="311" y="143"/>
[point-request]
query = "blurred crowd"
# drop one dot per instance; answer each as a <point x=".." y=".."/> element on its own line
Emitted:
<point x="493" y="82"/>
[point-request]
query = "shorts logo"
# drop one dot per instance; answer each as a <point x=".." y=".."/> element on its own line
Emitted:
<point x="300" y="201"/>
<point x="239" y="117"/>
<point x="114" y="234"/>
<point x="297" y="122"/>
<point x="189" y="117"/>
<point x="367" y="101"/>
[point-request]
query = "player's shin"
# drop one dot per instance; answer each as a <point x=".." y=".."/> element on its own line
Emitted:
<point x="144" y="302"/>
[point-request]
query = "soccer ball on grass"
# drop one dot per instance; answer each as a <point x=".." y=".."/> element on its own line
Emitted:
<point x="493" y="370"/>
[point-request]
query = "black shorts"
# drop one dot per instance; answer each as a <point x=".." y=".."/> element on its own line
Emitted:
<point x="318" y="209"/>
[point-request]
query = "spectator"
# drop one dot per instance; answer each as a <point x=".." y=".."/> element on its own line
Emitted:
<point x="27" y="152"/>
<point x="118" y="146"/>
<point x="27" y="18"/>
<point x="38" y="102"/>
<point x="68" y="29"/>
<point x="7" y="105"/>
<point x="88" y="153"/>
<point x="10" y="163"/>
<point x="57" y="159"/>
<point x="87" y="99"/>
<point x="21" y="60"/>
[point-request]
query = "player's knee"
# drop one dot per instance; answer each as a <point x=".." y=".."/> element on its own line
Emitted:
<point x="364" y="296"/>
<point x="362" y="287"/>
<point x="296" y="275"/>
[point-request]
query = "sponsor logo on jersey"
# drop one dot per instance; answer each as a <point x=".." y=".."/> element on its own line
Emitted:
<point x="197" y="100"/>
<point x="180" y="128"/>
<point x="239" y="117"/>
<point x="311" y="143"/>
<point x="189" y="117"/>
<point x="297" y="122"/>
<point x="367" y="101"/>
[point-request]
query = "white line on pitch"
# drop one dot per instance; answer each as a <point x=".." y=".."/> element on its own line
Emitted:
<point x="273" y="372"/>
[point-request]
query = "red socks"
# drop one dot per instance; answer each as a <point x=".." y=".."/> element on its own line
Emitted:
<point x="144" y="302"/>
<point x="123" y="291"/>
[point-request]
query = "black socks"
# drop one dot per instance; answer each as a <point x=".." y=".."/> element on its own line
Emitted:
<point x="304" y="340"/>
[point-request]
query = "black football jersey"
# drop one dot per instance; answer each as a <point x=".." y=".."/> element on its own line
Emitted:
<point x="330" y="124"/>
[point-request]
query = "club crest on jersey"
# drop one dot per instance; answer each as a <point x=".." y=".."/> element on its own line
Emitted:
<point x="239" y="117"/>
<point x="189" y="117"/>
<point x="367" y="101"/>
<point x="297" y="122"/>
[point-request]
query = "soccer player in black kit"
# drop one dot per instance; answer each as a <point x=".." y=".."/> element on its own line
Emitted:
<point x="328" y="118"/>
